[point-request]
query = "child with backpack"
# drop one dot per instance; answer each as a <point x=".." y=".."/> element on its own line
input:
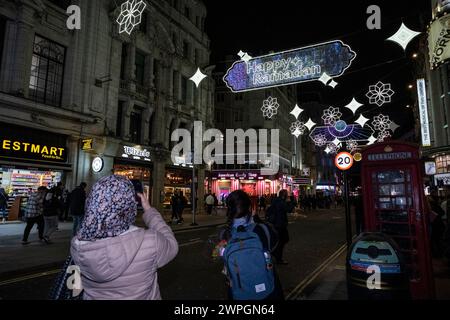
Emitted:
<point x="245" y="248"/>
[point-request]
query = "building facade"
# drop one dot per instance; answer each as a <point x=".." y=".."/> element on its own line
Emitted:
<point x="435" y="134"/>
<point x="68" y="97"/>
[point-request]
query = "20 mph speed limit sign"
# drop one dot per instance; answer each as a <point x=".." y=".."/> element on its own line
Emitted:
<point x="343" y="161"/>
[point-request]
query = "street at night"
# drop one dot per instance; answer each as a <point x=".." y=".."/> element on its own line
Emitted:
<point x="225" y="159"/>
<point x="194" y="275"/>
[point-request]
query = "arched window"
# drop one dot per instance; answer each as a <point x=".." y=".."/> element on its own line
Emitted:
<point x="47" y="70"/>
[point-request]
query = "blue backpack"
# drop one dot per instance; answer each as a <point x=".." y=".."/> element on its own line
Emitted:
<point x="249" y="266"/>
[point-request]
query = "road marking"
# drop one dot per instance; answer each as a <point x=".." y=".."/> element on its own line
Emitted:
<point x="189" y="243"/>
<point x="29" y="277"/>
<point x="52" y="272"/>
<point x="294" y="294"/>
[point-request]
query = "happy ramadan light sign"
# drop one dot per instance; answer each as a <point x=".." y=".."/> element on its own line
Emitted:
<point x="290" y="67"/>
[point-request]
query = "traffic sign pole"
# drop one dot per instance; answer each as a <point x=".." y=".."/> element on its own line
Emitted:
<point x="344" y="162"/>
<point x="348" y="220"/>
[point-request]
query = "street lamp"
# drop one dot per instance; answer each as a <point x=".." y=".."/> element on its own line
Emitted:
<point x="194" y="196"/>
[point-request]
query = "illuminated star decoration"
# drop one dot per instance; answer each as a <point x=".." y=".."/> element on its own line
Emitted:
<point x="354" y="106"/>
<point x="362" y="120"/>
<point x="331" y="116"/>
<point x="310" y="124"/>
<point x="244" y="56"/>
<point x="372" y="140"/>
<point x="403" y="36"/>
<point x="320" y="140"/>
<point x="270" y="107"/>
<point x="352" y="145"/>
<point x="198" y="77"/>
<point x="393" y="127"/>
<point x="337" y="142"/>
<point x="130" y="15"/>
<point x="381" y="123"/>
<point x="297" y="128"/>
<point x="296" y="111"/>
<point x="380" y="93"/>
<point x="327" y="80"/>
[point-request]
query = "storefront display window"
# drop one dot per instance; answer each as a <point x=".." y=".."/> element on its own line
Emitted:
<point x="19" y="184"/>
<point x="177" y="181"/>
<point x="443" y="164"/>
<point x="142" y="174"/>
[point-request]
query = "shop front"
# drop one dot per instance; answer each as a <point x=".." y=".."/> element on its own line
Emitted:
<point x="29" y="159"/>
<point x="252" y="182"/>
<point x="134" y="162"/>
<point x="439" y="173"/>
<point x="178" y="180"/>
<point x="302" y="186"/>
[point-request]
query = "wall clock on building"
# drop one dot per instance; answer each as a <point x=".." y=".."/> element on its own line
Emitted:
<point x="97" y="164"/>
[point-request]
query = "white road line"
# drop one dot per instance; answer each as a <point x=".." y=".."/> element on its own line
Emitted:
<point x="32" y="276"/>
<point x="189" y="243"/>
<point x="313" y="275"/>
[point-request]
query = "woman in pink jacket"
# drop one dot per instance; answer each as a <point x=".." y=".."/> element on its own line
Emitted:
<point x="119" y="261"/>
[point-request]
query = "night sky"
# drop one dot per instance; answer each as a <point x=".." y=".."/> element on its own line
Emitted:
<point x="259" y="27"/>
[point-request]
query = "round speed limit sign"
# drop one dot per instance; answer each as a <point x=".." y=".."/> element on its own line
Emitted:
<point x="344" y="161"/>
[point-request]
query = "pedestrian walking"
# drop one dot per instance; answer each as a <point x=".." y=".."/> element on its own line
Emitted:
<point x="209" y="204"/>
<point x="3" y="204"/>
<point x="117" y="260"/>
<point x="277" y="216"/>
<point x="66" y="209"/>
<point x="182" y="203"/>
<point x="77" y="203"/>
<point x="174" y="204"/>
<point x="50" y="212"/>
<point x="246" y="246"/>
<point x="216" y="203"/>
<point x="34" y="214"/>
<point x="262" y="204"/>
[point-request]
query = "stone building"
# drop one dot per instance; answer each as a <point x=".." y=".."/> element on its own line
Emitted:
<point x="78" y="95"/>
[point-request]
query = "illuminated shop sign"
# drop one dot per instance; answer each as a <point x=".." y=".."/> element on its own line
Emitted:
<point x="238" y="176"/>
<point x="87" y="144"/>
<point x="442" y="178"/>
<point x="136" y="153"/>
<point x="30" y="144"/>
<point x="290" y="67"/>
<point x="423" y="112"/>
<point x="302" y="181"/>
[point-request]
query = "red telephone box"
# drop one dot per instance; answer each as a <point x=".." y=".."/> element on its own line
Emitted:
<point x="394" y="204"/>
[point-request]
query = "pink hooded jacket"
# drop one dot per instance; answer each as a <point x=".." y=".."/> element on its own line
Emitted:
<point x="125" y="267"/>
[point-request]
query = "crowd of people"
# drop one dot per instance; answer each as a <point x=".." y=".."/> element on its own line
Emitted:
<point x="46" y="207"/>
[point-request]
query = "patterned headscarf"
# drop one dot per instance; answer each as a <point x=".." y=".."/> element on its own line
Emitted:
<point x="110" y="209"/>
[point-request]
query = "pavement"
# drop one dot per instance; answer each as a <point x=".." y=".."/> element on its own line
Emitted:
<point x="19" y="259"/>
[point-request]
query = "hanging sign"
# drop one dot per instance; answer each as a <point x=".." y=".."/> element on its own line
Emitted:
<point x="423" y="112"/>
<point x="290" y="67"/>
<point x="439" y="41"/>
